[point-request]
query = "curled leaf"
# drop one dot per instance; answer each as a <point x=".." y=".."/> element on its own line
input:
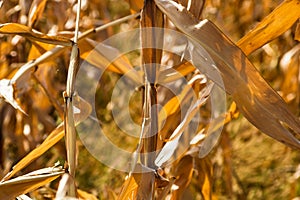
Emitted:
<point x="7" y="92"/>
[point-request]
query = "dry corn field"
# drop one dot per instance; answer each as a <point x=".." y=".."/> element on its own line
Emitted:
<point x="149" y="99"/>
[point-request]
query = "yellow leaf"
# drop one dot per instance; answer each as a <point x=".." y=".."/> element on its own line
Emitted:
<point x="29" y="182"/>
<point x="36" y="11"/>
<point x="130" y="187"/>
<point x="138" y="185"/>
<point x="272" y="26"/>
<point x="168" y="75"/>
<point x="99" y="54"/>
<point x="135" y="5"/>
<point x="90" y="53"/>
<point x="37" y="49"/>
<point x="25" y="31"/>
<point x="205" y="172"/>
<point x="85" y="195"/>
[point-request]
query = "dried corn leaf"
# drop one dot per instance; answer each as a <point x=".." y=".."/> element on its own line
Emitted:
<point x="90" y="52"/>
<point x="215" y="129"/>
<point x="20" y="79"/>
<point x="165" y="155"/>
<point x="7" y="92"/>
<point x="107" y="57"/>
<point x="83" y="109"/>
<point x="183" y="174"/>
<point x="135" y="5"/>
<point x="36" y="11"/>
<point x="166" y="189"/>
<point x="138" y="185"/>
<point x="272" y="26"/>
<point x="130" y="187"/>
<point x="64" y="184"/>
<point x="37" y="49"/>
<point x="169" y="75"/>
<point x="193" y="6"/>
<point x="259" y="103"/>
<point x="205" y="180"/>
<point x="85" y="195"/>
<point x="26" y="183"/>
<point x="25" y="31"/>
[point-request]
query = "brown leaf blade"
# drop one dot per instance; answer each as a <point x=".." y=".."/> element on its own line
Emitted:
<point x="194" y="6"/>
<point x="25" y="31"/>
<point x="272" y="26"/>
<point x="183" y="174"/>
<point x="259" y="103"/>
<point x="24" y="184"/>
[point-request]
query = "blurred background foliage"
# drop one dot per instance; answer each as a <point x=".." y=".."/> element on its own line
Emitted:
<point x="246" y="163"/>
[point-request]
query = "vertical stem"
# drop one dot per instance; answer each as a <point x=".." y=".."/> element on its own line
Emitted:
<point x="70" y="131"/>
<point x="151" y="139"/>
<point x="152" y="41"/>
<point x="150" y="113"/>
<point x="152" y="22"/>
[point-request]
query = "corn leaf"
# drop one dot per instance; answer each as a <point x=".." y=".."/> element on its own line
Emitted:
<point x="135" y="5"/>
<point x="272" y="26"/>
<point x="205" y="179"/>
<point x="138" y="185"/>
<point x="25" y="31"/>
<point x="101" y="56"/>
<point x="26" y="183"/>
<point x="183" y="174"/>
<point x="168" y="75"/>
<point x="194" y="6"/>
<point x="85" y="195"/>
<point x="130" y="187"/>
<point x="36" y="11"/>
<point x="84" y="109"/>
<point x="7" y="92"/>
<point x="165" y="155"/>
<point x="259" y="103"/>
